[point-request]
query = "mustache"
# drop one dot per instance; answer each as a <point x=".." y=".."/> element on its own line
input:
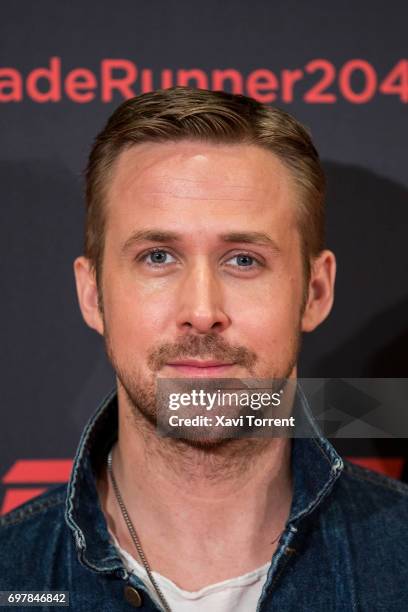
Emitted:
<point x="206" y="346"/>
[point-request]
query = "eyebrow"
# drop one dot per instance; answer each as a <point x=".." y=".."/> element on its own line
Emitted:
<point x="164" y="236"/>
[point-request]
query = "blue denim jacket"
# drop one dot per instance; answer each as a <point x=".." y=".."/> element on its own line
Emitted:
<point x="344" y="549"/>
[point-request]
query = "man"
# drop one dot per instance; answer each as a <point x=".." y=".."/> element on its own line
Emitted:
<point x="204" y="258"/>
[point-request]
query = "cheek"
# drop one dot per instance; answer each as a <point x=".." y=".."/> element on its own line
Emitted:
<point x="134" y="321"/>
<point x="269" y="321"/>
<point x="272" y="304"/>
<point x="266" y="324"/>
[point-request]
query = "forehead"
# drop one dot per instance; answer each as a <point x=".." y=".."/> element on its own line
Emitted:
<point x="199" y="183"/>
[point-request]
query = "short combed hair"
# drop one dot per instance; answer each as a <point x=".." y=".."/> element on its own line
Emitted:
<point x="181" y="113"/>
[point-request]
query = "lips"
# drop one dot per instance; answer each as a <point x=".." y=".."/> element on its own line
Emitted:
<point x="194" y="367"/>
<point x="199" y="364"/>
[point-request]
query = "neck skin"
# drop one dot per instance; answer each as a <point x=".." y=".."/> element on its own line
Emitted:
<point x="202" y="517"/>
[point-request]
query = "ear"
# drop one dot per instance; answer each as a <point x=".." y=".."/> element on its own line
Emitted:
<point x="320" y="291"/>
<point x="87" y="291"/>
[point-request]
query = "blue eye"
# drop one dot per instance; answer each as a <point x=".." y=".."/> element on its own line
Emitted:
<point x="158" y="257"/>
<point x="244" y="260"/>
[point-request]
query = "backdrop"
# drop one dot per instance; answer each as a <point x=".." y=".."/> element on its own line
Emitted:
<point x="342" y="69"/>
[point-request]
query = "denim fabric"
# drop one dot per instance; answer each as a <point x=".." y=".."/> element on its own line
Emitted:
<point x="344" y="549"/>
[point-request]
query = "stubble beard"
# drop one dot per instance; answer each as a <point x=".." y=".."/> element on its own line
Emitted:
<point x="141" y="391"/>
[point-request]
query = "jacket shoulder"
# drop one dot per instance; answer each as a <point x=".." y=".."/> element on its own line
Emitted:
<point x="368" y="480"/>
<point x="372" y="498"/>
<point x="35" y="510"/>
<point x="33" y="538"/>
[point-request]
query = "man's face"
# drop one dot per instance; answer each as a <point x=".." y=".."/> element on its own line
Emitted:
<point x="202" y="271"/>
<point x="202" y="262"/>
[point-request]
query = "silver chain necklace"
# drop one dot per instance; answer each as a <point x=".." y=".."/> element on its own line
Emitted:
<point x="134" y="536"/>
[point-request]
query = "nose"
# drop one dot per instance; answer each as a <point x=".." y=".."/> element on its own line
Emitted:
<point x="201" y="307"/>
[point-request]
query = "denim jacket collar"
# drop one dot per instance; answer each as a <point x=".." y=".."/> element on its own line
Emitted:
<point x="315" y="468"/>
<point x="83" y="512"/>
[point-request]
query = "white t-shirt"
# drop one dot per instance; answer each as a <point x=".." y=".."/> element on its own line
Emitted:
<point x="240" y="594"/>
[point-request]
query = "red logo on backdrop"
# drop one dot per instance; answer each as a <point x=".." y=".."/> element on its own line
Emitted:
<point x="28" y="478"/>
<point x="318" y="81"/>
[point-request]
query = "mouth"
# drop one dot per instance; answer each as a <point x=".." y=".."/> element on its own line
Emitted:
<point x="196" y="368"/>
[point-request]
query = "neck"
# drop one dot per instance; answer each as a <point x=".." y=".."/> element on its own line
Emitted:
<point x="229" y="502"/>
